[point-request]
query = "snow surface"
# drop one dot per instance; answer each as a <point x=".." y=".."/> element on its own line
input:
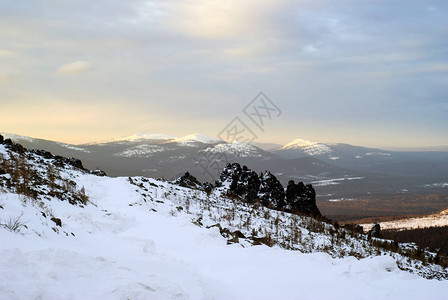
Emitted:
<point x="73" y="147"/>
<point x="236" y="148"/>
<point x="138" y="137"/>
<point x="377" y="154"/>
<point x="334" y="181"/>
<point x="141" y="137"/>
<point x="310" y="148"/>
<point x="141" y="238"/>
<point x="132" y="252"/>
<point x="439" y="219"/>
<point x="438" y="185"/>
<point x="194" y="138"/>
<point x="141" y="151"/>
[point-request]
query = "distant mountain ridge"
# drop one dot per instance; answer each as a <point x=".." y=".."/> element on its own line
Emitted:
<point x="331" y="167"/>
<point x="423" y="163"/>
<point x="139" y="137"/>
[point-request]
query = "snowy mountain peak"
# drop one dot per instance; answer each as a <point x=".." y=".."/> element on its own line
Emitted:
<point x="196" y="137"/>
<point x="299" y="143"/>
<point x="239" y="149"/>
<point x="310" y="148"/>
<point x="16" y="137"/>
<point x="138" y="137"/>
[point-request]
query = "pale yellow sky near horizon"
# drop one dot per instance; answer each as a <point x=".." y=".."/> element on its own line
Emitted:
<point x="370" y="74"/>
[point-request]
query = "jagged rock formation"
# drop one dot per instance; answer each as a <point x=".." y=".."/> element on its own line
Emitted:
<point x="271" y="191"/>
<point x="244" y="183"/>
<point x="301" y="198"/>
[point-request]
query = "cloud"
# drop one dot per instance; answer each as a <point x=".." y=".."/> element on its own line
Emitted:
<point x="6" y="53"/>
<point x="74" y="68"/>
<point x="319" y="58"/>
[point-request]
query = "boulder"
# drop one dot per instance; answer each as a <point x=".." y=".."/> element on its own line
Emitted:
<point x="57" y="221"/>
<point x="189" y="181"/>
<point x="375" y="231"/>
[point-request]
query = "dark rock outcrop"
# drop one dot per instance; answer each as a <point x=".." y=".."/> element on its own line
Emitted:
<point x="59" y="160"/>
<point x="98" y="172"/>
<point x="57" y="221"/>
<point x="14" y="147"/>
<point x="207" y="187"/>
<point x="1" y="139"/>
<point x="243" y="182"/>
<point x="74" y="162"/>
<point x="271" y="192"/>
<point x="43" y="153"/>
<point x="301" y="198"/>
<point x="232" y="236"/>
<point x="375" y="231"/>
<point x="189" y="181"/>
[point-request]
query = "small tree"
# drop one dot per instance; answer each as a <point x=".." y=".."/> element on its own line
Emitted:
<point x="83" y="196"/>
<point x="51" y="174"/>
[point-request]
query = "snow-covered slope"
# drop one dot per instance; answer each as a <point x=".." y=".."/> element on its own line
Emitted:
<point x="310" y="148"/>
<point x="237" y="149"/>
<point x="435" y="220"/>
<point x="141" y="238"/>
<point x="124" y="247"/>
<point x="143" y="150"/>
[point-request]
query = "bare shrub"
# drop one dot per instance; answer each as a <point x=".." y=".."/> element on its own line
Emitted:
<point x="14" y="223"/>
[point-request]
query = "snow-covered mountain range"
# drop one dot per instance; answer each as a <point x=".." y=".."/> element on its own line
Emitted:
<point x="70" y="233"/>
<point x="167" y="156"/>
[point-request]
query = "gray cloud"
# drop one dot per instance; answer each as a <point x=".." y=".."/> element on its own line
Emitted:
<point x="347" y="62"/>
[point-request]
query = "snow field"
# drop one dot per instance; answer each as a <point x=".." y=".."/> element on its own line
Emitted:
<point x="133" y="252"/>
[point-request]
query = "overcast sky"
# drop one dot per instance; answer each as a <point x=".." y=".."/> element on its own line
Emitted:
<point x="371" y="73"/>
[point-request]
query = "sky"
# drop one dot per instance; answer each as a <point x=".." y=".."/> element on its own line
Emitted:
<point x="372" y="73"/>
